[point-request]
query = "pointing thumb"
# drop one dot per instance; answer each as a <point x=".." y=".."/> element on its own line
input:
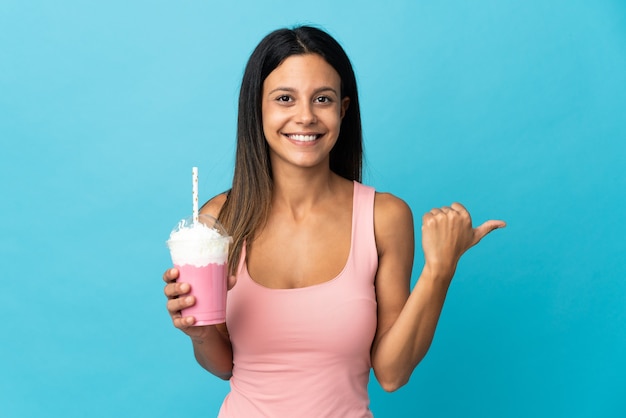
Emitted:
<point x="485" y="228"/>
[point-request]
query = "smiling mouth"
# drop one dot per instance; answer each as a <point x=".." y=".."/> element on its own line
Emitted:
<point x="303" y="138"/>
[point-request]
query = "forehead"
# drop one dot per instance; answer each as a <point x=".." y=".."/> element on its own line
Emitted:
<point x="302" y="71"/>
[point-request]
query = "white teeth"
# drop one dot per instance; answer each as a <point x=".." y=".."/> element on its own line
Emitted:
<point x="303" y="138"/>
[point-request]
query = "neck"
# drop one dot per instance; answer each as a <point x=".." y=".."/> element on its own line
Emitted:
<point x="298" y="191"/>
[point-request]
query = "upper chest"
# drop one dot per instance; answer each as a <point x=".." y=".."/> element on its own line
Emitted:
<point x="291" y="253"/>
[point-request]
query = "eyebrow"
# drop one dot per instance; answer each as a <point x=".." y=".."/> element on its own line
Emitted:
<point x="317" y="90"/>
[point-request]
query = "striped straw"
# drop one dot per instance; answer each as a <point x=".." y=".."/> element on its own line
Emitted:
<point x="194" y="179"/>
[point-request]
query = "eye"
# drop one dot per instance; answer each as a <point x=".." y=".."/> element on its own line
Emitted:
<point x="283" y="98"/>
<point x="323" y="99"/>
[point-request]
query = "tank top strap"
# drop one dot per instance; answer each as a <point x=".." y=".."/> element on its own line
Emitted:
<point x="363" y="238"/>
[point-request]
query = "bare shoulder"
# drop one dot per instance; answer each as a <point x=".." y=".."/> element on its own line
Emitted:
<point x="214" y="206"/>
<point x="391" y="211"/>
<point x="393" y="221"/>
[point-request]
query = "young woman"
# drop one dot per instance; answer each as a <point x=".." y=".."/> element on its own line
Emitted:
<point x="321" y="264"/>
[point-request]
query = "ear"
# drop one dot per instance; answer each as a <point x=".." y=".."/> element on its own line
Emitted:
<point x="345" y="102"/>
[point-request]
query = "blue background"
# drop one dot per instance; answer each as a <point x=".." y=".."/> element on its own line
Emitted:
<point x="514" y="108"/>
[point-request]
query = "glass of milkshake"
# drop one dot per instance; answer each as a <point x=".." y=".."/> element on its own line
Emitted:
<point x="199" y="250"/>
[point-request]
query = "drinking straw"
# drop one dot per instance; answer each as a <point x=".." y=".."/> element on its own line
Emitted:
<point x="194" y="180"/>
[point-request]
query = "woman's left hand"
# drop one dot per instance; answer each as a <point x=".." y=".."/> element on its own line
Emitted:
<point x="447" y="233"/>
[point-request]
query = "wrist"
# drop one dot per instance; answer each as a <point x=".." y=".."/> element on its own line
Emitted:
<point x="440" y="271"/>
<point x="206" y="334"/>
<point x="201" y="335"/>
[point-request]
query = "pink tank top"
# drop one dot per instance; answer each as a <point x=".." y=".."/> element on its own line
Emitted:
<point x="305" y="352"/>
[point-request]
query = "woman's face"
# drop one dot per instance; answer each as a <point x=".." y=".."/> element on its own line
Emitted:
<point x="302" y="111"/>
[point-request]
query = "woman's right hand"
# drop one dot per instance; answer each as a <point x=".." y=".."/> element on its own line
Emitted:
<point x="178" y="298"/>
<point x="212" y="346"/>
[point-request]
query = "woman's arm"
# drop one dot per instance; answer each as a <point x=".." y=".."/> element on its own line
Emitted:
<point x="407" y="319"/>
<point x="211" y="343"/>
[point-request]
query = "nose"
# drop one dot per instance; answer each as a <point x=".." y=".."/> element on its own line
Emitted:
<point x="306" y="114"/>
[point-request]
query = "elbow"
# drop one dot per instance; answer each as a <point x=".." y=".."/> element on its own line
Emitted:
<point x="393" y="372"/>
<point x="390" y="380"/>
<point x="225" y="376"/>
<point x="391" y="385"/>
<point x="222" y="371"/>
<point x="393" y="377"/>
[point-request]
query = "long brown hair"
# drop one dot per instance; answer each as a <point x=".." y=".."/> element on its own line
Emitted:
<point x="249" y="201"/>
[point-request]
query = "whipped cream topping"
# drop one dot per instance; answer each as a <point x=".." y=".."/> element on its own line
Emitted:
<point x="197" y="245"/>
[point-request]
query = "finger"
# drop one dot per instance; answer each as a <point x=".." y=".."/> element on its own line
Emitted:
<point x="183" y="322"/>
<point x="435" y="211"/>
<point x="485" y="228"/>
<point x="170" y="275"/>
<point x="174" y="290"/>
<point x="458" y="207"/>
<point x="446" y="209"/>
<point x="175" y="306"/>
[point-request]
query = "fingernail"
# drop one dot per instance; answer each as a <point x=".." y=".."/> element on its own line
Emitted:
<point x="189" y="299"/>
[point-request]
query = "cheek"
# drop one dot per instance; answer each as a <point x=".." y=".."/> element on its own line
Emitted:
<point x="267" y="122"/>
<point x="335" y="119"/>
<point x="272" y="118"/>
<point x="271" y="125"/>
